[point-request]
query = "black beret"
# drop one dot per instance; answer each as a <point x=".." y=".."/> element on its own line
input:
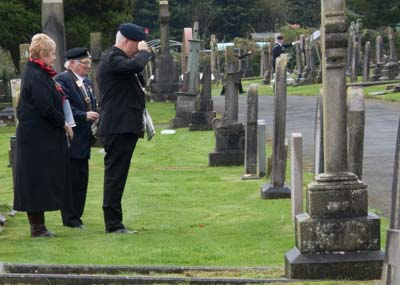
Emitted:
<point x="132" y="32"/>
<point x="77" y="53"/>
<point x="279" y="37"/>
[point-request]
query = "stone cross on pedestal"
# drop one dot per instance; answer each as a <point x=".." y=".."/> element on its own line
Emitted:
<point x="53" y="26"/>
<point x="277" y="189"/>
<point x="336" y="238"/>
<point x="229" y="133"/>
<point x="166" y="77"/>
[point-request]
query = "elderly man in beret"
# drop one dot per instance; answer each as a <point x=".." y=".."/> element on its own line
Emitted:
<point x="121" y="123"/>
<point x="78" y="88"/>
<point x="279" y="48"/>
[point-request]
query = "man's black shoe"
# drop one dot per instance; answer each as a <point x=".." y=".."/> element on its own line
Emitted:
<point x="122" y="231"/>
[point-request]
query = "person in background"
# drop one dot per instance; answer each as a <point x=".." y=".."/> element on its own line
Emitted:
<point x="42" y="146"/>
<point x="79" y="89"/>
<point x="121" y="118"/>
<point x="279" y="48"/>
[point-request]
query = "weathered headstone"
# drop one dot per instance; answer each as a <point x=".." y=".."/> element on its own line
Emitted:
<point x="392" y="45"/>
<point x="23" y="57"/>
<point x="391" y="69"/>
<point x="185" y="99"/>
<point x="319" y="137"/>
<point x="299" y="62"/>
<point x="250" y="158"/>
<point x="229" y="133"/>
<point x="203" y="113"/>
<point x="166" y="77"/>
<point x="214" y="55"/>
<point x="391" y="269"/>
<point x="95" y="51"/>
<point x="355" y="62"/>
<point x="296" y="158"/>
<point x="262" y="154"/>
<point x="309" y="69"/>
<point x="367" y="60"/>
<point x="53" y="26"/>
<point x="380" y="62"/>
<point x="336" y="238"/>
<point x="355" y="129"/>
<point x="267" y="50"/>
<point x="277" y="189"/>
<point x="350" y="41"/>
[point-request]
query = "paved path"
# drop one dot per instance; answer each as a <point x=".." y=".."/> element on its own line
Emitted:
<point x="380" y="138"/>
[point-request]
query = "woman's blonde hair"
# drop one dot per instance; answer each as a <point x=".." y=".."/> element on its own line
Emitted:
<point x="41" y="43"/>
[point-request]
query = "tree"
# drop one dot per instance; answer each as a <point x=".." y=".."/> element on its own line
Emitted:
<point x="307" y="13"/>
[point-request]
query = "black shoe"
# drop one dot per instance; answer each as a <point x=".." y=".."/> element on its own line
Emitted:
<point x="40" y="231"/>
<point x="122" y="231"/>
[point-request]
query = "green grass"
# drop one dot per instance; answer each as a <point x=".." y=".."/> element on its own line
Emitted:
<point x="187" y="213"/>
<point x="312" y="90"/>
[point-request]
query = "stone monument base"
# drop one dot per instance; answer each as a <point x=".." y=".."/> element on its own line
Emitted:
<point x="354" y="265"/>
<point x="268" y="191"/>
<point x="202" y="121"/>
<point x="184" y="109"/>
<point x="164" y="91"/>
<point x="226" y="158"/>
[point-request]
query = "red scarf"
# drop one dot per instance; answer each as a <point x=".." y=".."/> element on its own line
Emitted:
<point x="51" y="72"/>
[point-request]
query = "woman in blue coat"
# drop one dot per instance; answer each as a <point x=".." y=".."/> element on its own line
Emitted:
<point x="42" y="146"/>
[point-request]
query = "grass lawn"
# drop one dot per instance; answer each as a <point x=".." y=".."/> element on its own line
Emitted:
<point x="312" y="90"/>
<point x="187" y="213"/>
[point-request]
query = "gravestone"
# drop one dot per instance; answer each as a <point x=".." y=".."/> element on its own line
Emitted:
<point x="336" y="238"/>
<point x="380" y="61"/>
<point x="23" y="57"/>
<point x="299" y="62"/>
<point x="166" y="77"/>
<point x="367" y="60"/>
<point x="267" y="51"/>
<point x="391" y="269"/>
<point x="296" y="158"/>
<point x="391" y="69"/>
<point x="309" y="68"/>
<point x="319" y="137"/>
<point x="276" y="188"/>
<point x="355" y="129"/>
<point x="262" y="154"/>
<point x="95" y="52"/>
<point x="229" y="133"/>
<point x="250" y="158"/>
<point x="187" y="36"/>
<point x="350" y="43"/>
<point x="203" y="114"/>
<point x="214" y="54"/>
<point x="355" y="62"/>
<point x="53" y="26"/>
<point x="186" y="98"/>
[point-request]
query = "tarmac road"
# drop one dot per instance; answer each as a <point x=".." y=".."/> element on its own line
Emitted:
<point x="379" y="146"/>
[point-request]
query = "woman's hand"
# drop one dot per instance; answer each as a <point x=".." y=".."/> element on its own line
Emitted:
<point x="69" y="131"/>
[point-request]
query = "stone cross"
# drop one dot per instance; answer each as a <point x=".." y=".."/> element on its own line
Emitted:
<point x="296" y="157"/>
<point x="277" y="189"/>
<point x="53" y="26"/>
<point x="355" y="129"/>
<point x="95" y="51"/>
<point x="250" y="158"/>
<point x="391" y="269"/>
<point x="337" y="218"/>
<point x="366" y="61"/>
<point x="166" y="77"/>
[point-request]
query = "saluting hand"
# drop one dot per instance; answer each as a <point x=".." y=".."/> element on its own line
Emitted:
<point x="92" y="116"/>
<point x="143" y="46"/>
<point x="69" y="131"/>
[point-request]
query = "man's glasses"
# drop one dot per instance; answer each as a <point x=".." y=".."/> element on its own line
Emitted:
<point x="85" y="62"/>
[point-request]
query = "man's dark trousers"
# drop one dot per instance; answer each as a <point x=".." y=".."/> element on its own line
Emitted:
<point x="119" y="149"/>
<point x="74" y="205"/>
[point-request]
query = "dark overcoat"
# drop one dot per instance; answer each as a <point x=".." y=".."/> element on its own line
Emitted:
<point x="122" y="99"/>
<point x="42" y="149"/>
<point x="277" y="50"/>
<point x="80" y="144"/>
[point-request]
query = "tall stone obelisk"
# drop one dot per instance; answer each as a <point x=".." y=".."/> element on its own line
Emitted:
<point x="336" y="238"/>
<point x="166" y="81"/>
<point x="53" y="26"/>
